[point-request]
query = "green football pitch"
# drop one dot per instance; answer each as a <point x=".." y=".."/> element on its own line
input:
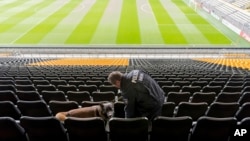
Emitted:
<point x="108" y="22"/>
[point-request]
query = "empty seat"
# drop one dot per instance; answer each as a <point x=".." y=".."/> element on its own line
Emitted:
<point x="62" y="106"/>
<point x="41" y="88"/>
<point x="217" y="83"/>
<point x="23" y="82"/>
<point x="221" y="109"/>
<point x="243" y="111"/>
<point x="168" y="89"/>
<point x="193" y="110"/>
<point x="94" y="82"/>
<point x="244" y="98"/>
<point x="103" y="96"/>
<point x="215" y="89"/>
<point x="178" y="97"/>
<point x="7" y="95"/>
<point x="125" y="129"/>
<point x="199" y="83"/>
<point x="25" y="88"/>
<point x="232" y="89"/>
<point x="43" y="128"/>
<point x="91" y="103"/>
<point x="191" y="89"/>
<point x="243" y="124"/>
<point x="66" y="88"/>
<point x="107" y="88"/>
<point x="165" y="83"/>
<point x="86" y="129"/>
<point x="228" y="97"/>
<point x="89" y="88"/>
<point x="119" y="109"/>
<point x="53" y="95"/>
<point x="8" y="109"/>
<point x="78" y="96"/>
<point x="168" y="109"/>
<point x="207" y="97"/>
<point x="7" y="82"/>
<point x="41" y="82"/>
<point x="28" y="95"/>
<point x="58" y="82"/>
<point x="213" y="129"/>
<point x="8" y="87"/>
<point x="76" y="83"/>
<point x="181" y="83"/>
<point x="171" y="128"/>
<point x="34" y="108"/>
<point x="10" y="130"/>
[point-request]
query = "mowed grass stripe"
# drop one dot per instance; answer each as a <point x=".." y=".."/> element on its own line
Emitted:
<point x="188" y="30"/>
<point x="211" y="33"/>
<point x="38" y="32"/>
<point x="106" y="31"/>
<point x="150" y="33"/>
<point x="129" y="30"/>
<point x="83" y="33"/>
<point x="169" y="31"/>
<point x="10" y="5"/>
<point x="19" y="17"/>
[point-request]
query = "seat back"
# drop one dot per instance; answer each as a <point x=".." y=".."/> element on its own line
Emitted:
<point x="207" y="97"/>
<point x="119" y="109"/>
<point x="221" y="109"/>
<point x="213" y="129"/>
<point x="178" y="97"/>
<point x="66" y="88"/>
<point x="8" y="95"/>
<point x="78" y="96"/>
<point x="10" y="130"/>
<point x="228" y="97"/>
<point x="244" y="98"/>
<point x="194" y="110"/>
<point x="8" y="109"/>
<point x="125" y="129"/>
<point x="171" y="128"/>
<point x="86" y="129"/>
<point x="243" y="111"/>
<point x="89" y="88"/>
<point x="43" y="128"/>
<point x="62" y="106"/>
<point x="168" y="109"/>
<point x="53" y="95"/>
<point x="41" y="88"/>
<point x="36" y="108"/>
<point x="103" y="96"/>
<point x="28" y="95"/>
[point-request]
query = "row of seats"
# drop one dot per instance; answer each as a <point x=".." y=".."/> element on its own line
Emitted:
<point x="124" y="129"/>
<point x="216" y="109"/>
<point x="40" y="108"/>
<point x="208" y="97"/>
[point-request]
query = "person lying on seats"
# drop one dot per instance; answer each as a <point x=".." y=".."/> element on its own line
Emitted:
<point x="103" y="110"/>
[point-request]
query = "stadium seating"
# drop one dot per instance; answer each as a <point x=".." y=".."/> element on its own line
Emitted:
<point x="203" y="87"/>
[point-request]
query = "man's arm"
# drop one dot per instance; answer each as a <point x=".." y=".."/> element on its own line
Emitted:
<point x="129" y="100"/>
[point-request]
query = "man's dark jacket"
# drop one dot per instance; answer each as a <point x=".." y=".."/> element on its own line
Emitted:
<point x="142" y="95"/>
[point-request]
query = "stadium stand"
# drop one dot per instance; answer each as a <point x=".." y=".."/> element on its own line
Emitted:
<point x="202" y="81"/>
